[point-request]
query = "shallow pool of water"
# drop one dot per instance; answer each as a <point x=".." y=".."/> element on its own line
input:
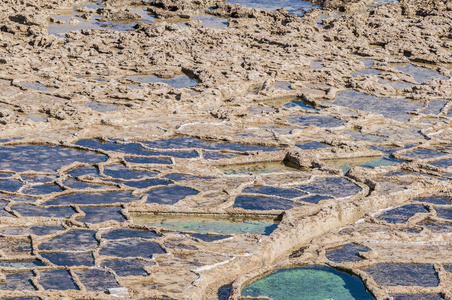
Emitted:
<point x="346" y="164"/>
<point x="70" y="22"/>
<point x="43" y="158"/>
<point x="419" y="74"/>
<point x="315" y="120"/>
<point x="36" y="86"/>
<point x="308" y="282"/>
<point x="390" y="274"/>
<point x="402" y="214"/>
<point x="289" y="101"/>
<point x="295" y="7"/>
<point x="365" y="72"/>
<point x="178" y="82"/>
<point x="283" y="85"/>
<point x="392" y="108"/>
<point x="211" y="21"/>
<point x="101" y="107"/>
<point x="346" y="253"/>
<point x="208" y="224"/>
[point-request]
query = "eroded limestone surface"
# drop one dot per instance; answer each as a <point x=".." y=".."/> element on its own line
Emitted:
<point x="174" y="149"/>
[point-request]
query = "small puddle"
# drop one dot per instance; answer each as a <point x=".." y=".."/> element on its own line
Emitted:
<point x="283" y="85"/>
<point x="396" y="109"/>
<point x="365" y="72"/>
<point x="123" y="233"/>
<point x="101" y="214"/>
<point x="434" y="107"/>
<point x="21" y="264"/>
<point x="211" y="21"/>
<point x="311" y="146"/>
<point x="178" y="82"/>
<point x="391" y="274"/>
<point x="419" y="74"/>
<point x="67" y="20"/>
<point x="398" y="85"/>
<point x="423" y="154"/>
<point x="209" y="224"/>
<point x="315" y="120"/>
<point x="18" y="281"/>
<point x="128" y="267"/>
<point x="359" y="136"/>
<point x="382" y="2"/>
<point x="101" y="107"/>
<point x="437" y="227"/>
<point x="131" y="248"/>
<point x="289" y="101"/>
<point x="169" y="195"/>
<point x="43" y="158"/>
<point x="317" y="64"/>
<point x="121" y="172"/>
<point x="308" y="282"/>
<point x="97" y="280"/>
<point x="274" y="191"/>
<point x="82" y="240"/>
<point x="444" y="163"/>
<point x="402" y="214"/>
<point x="444" y="213"/>
<point x="337" y="187"/>
<point x="26" y="210"/>
<point x="38" y="119"/>
<point x="37" y="230"/>
<point x="264" y="203"/>
<point x="262" y="167"/>
<point x="42" y="189"/>
<point x="70" y="258"/>
<point x="435" y="200"/>
<point x="57" y="280"/>
<point x="346" y="164"/>
<point x="133" y="148"/>
<point x="37" y="87"/>
<point x="295" y="7"/>
<point x="346" y="253"/>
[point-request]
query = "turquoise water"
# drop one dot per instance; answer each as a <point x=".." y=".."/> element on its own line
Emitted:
<point x="312" y="282"/>
<point x="206" y="224"/>
<point x="346" y="164"/>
